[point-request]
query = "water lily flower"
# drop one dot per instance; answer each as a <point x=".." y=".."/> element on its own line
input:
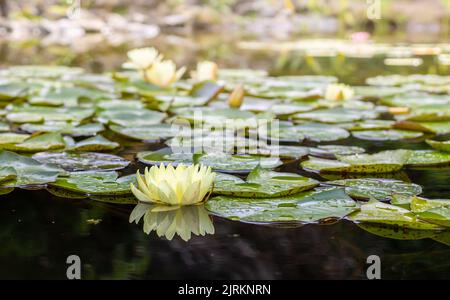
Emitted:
<point x="339" y="92"/>
<point x="174" y="186"/>
<point x="236" y="97"/>
<point x="163" y="73"/>
<point x="143" y="58"/>
<point x="206" y="70"/>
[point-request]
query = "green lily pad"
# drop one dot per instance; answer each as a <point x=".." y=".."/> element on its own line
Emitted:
<point x="66" y="96"/>
<point x="375" y="188"/>
<point x="382" y="213"/>
<point x="97" y="143"/>
<point x="438" y="215"/>
<point x="427" y="158"/>
<point x="12" y="90"/>
<point x="12" y="138"/>
<point x="264" y="184"/>
<point x="418" y="204"/>
<point x="131" y="117"/>
<point x="7" y="173"/>
<point x="28" y="170"/>
<point x="164" y="156"/>
<point x="368" y="125"/>
<point x="428" y="113"/>
<point x="336" y="115"/>
<point x="83" y="161"/>
<point x="305" y="207"/>
<point x="146" y="133"/>
<point x="96" y="183"/>
<point x="440" y="146"/>
<point x="442" y="127"/>
<point x="64" y="128"/>
<point x="43" y="142"/>
<point x="243" y="164"/>
<point x="333" y="150"/>
<point x="36" y="114"/>
<point x="5" y="191"/>
<point x="315" y="132"/>
<point x="386" y="135"/>
<point x="381" y="162"/>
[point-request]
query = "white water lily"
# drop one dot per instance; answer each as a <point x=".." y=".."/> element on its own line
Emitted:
<point x="174" y="186"/>
<point x="339" y="92"/>
<point x="206" y="70"/>
<point x="163" y="73"/>
<point x="143" y="58"/>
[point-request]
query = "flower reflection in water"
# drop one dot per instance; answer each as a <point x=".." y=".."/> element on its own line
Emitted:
<point x="170" y="220"/>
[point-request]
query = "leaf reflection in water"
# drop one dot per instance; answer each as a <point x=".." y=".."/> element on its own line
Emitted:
<point x="170" y="220"/>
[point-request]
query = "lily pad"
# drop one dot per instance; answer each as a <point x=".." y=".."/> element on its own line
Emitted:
<point x="7" y="173"/>
<point x="386" y="135"/>
<point x="36" y="114"/>
<point x="237" y="163"/>
<point x="381" y="162"/>
<point x="146" y="133"/>
<point x="440" y="146"/>
<point x="264" y="184"/>
<point x="382" y="213"/>
<point x="427" y="158"/>
<point x="333" y="150"/>
<point x="96" y="183"/>
<point x="43" y="142"/>
<point x="97" y="143"/>
<point x="305" y="207"/>
<point x="336" y="115"/>
<point x="64" y="128"/>
<point x="131" y="117"/>
<point x="164" y="156"/>
<point x="438" y="215"/>
<point x="375" y="188"/>
<point x="4" y="127"/>
<point x="28" y="170"/>
<point x="83" y="161"/>
<point x="12" y="138"/>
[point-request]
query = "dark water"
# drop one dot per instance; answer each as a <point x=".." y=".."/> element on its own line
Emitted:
<point x="38" y="231"/>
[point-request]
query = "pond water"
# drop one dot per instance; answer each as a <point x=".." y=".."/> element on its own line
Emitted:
<point x="39" y="230"/>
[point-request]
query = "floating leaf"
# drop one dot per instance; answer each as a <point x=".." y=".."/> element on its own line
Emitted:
<point x="375" y="188"/>
<point x="386" y="135"/>
<point x="427" y="158"/>
<point x="333" y="150"/>
<point x="336" y="115"/>
<point x="97" y="143"/>
<point x="382" y="213"/>
<point x="164" y="156"/>
<point x="43" y="142"/>
<point x="237" y="163"/>
<point x="264" y="184"/>
<point x="83" y="161"/>
<point x="29" y="171"/>
<point x="381" y="162"/>
<point x="96" y="183"/>
<point x="131" y="117"/>
<point x="7" y="173"/>
<point x="12" y="138"/>
<point x="64" y="128"/>
<point x="36" y="114"/>
<point x="307" y="207"/>
<point x="146" y="133"/>
<point x="440" y="146"/>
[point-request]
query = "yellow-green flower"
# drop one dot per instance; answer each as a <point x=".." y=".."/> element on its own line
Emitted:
<point x="206" y="70"/>
<point x="143" y="58"/>
<point x="163" y="73"/>
<point x="339" y="92"/>
<point x="236" y="97"/>
<point x="174" y="186"/>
